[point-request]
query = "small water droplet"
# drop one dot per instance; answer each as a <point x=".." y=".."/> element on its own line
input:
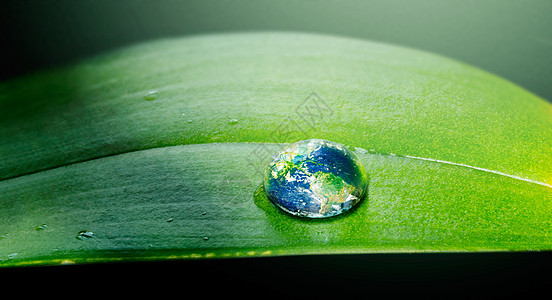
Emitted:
<point x="203" y="213"/>
<point x="4" y="236"/>
<point x="189" y="121"/>
<point x="41" y="227"/>
<point x="205" y="238"/>
<point x="84" y="235"/>
<point x="233" y="121"/>
<point x="170" y="220"/>
<point x="360" y="150"/>
<point x="151" y="95"/>
<point x="12" y="255"/>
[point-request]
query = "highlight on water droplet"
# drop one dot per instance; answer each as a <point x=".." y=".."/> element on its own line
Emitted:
<point x="315" y="179"/>
<point x="151" y="95"/>
<point x="233" y="121"/>
<point x="84" y="235"/>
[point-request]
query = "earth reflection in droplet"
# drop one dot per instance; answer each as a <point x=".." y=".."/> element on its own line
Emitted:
<point x="315" y="179"/>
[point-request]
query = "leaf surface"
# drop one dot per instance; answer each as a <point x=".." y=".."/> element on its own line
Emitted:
<point x="159" y="149"/>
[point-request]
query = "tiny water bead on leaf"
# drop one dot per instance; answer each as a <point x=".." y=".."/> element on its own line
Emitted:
<point x="315" y="179"/>
<point x="84" y="235"/>
<point x="151" y="95"/>
<point x="41" y="227"/>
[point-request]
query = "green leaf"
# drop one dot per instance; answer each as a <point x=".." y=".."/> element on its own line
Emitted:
<point x="157" y="152"/>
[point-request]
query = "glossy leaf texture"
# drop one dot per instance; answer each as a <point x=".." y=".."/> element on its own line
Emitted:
<point x="157" y="151"/>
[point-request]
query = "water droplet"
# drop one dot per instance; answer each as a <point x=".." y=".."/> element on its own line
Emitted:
<point x="233" y="121"/>
<point x="84" y="235"/>
<point x="189" y="121"/>
<point x="360" y="150"/>
<point x="203" y="213"/>
<point x="316" y="179"/>
<point x="4" y="236"/>
<point x="41" y="227"/>
<point x="151" y="95"/>
<point x="205" y="238"/>
<point x="169" y="220"/>
<point x="12" y="255"/>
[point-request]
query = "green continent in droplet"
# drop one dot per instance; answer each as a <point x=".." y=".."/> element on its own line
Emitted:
<point x="331" y="190"/>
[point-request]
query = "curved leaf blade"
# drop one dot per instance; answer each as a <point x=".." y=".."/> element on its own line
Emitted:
<point x="387" y="98"/>
<point x="457" y="158"/>
<point x="204" y="201"/>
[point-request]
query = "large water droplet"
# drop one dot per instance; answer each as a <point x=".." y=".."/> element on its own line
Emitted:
<point x="84" y="235"/>
<point x="316" y="179"/>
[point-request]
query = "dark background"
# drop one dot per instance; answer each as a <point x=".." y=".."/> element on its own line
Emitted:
<point x="512" y="39"/>
<point x="362" y="276"/>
